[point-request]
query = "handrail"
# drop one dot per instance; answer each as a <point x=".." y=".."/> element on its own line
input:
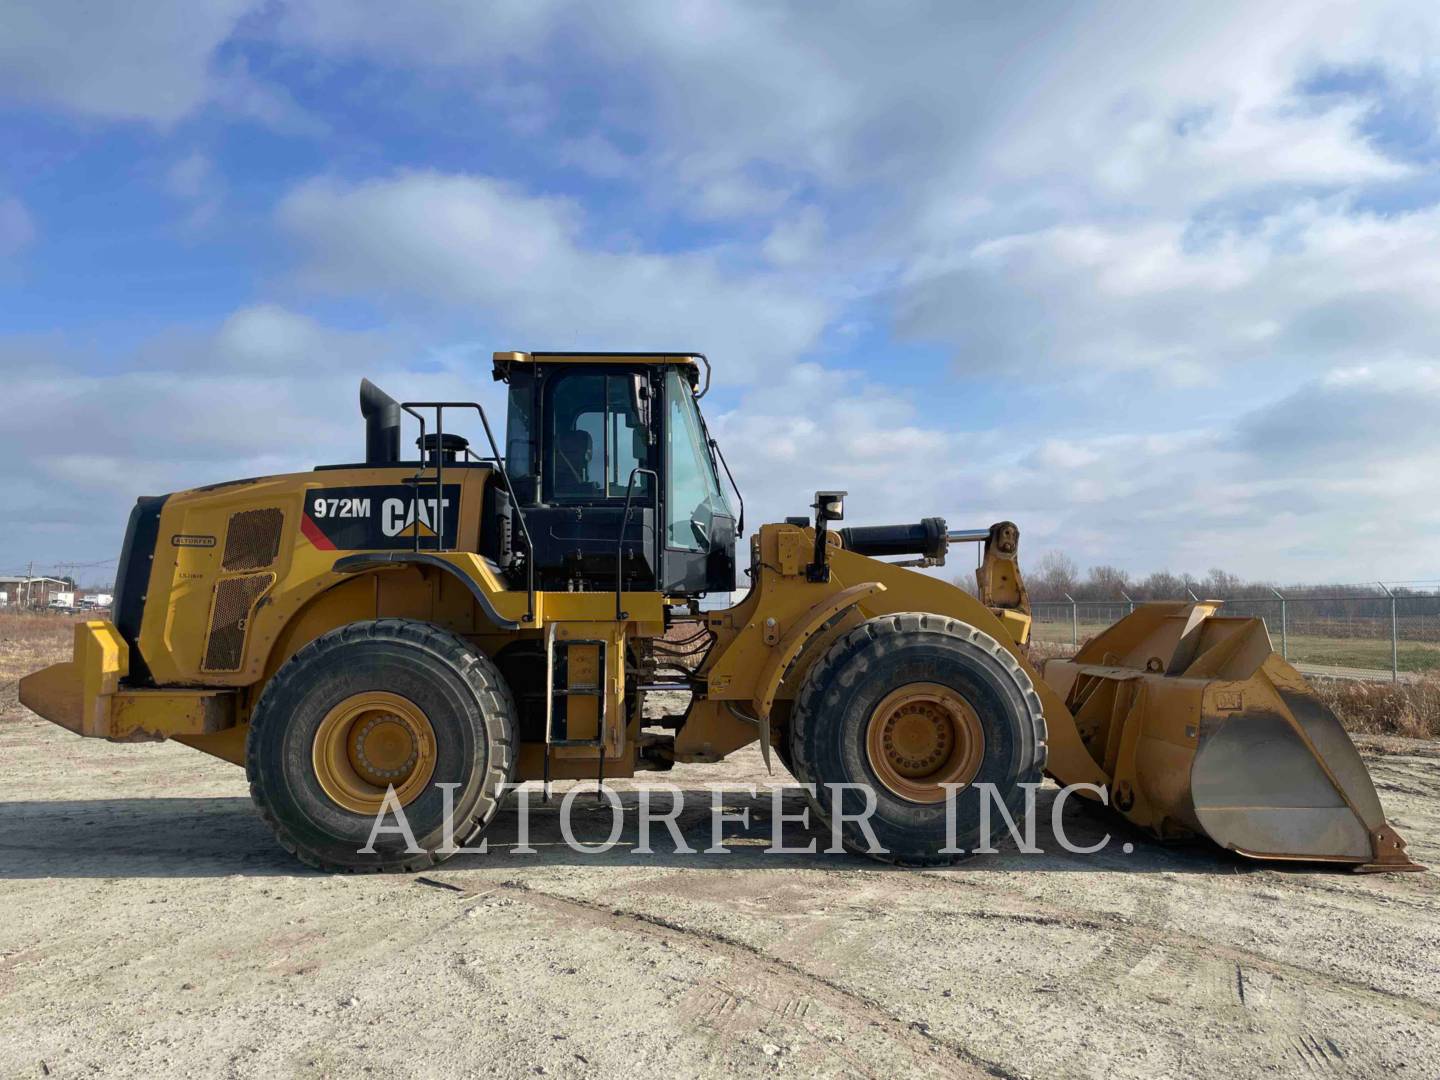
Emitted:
<point x="440" y="407"/>
<point x="620" y="615"/>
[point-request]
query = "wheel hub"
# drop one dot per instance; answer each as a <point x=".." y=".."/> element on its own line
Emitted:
<point x="921" y="737"/>
<point x="370" y="742"/>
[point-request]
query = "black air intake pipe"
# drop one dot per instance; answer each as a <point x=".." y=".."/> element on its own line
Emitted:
<point x="382" y="424"/>
<point x="926" y="539"/>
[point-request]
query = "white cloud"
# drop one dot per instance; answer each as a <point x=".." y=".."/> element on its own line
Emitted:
<point x="1128" y="226"/>
<point x="268" y="337"/>
<point x="17" y="228"/>
<point x="194" y="180"/>
<point x="1133" y="216"/>
<point x="190" y="176"/>
<point x="814" y="427"/>
<point x="796" y="238"/>
<point x="1349" y="457"/>
<point x="1146" y="101"/>
<point x="1062" y="189"/>
<point x="444" y="34"/>
<point x="525" y="266"/>
<point x="268" y="391"/>
<point x="149" y="61"/>
<point x="1312" y="485"/>
<point x="1314" y="284"/>
<point x="1352" y="420"/>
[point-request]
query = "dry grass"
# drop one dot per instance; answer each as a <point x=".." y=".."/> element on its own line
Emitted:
<point x="29" y="641"/>
<point x="1037" y="652"/>
<point x="1409" y="709"/>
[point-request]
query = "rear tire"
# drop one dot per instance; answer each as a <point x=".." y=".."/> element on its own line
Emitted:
<point x="389" y="680"/>
<point x="927" y="671"/>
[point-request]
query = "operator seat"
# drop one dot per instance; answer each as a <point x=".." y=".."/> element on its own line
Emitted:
<point x="573" y="451"/>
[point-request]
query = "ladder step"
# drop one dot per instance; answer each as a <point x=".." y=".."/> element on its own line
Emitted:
<point x="577" y="742"/>
<point x="576" y="691"/>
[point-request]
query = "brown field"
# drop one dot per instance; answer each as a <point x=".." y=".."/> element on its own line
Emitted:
<point x="1411" y="709"/>
<point x="29" y="641"/>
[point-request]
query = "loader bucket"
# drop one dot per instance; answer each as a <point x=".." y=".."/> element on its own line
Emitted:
<point x="1203" y="729"/>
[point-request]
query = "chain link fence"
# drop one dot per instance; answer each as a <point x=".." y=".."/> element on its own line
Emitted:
<point x="1392" y="633"/>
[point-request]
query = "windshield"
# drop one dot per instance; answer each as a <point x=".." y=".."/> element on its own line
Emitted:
<point x="693" y="496"/>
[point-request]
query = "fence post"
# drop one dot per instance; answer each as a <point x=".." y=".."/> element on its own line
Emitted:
<point x="1128" y="601"/>
<point x="1074" y="620"/>
<point x="1284" y="630"/>
<point x="1394" y="635"/>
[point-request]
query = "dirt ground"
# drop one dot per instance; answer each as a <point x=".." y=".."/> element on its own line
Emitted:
<point x="150" y="926"/>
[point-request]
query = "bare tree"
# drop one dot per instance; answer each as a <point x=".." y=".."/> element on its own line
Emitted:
<point x="1161" y="585"/>
<point x="1054" y="576"/>
<point x="1222" y="583"/>
<point x="1105" y="583"/>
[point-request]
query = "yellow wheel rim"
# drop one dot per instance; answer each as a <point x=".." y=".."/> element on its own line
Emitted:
<point x="921" y="736"/>
<point x="370" y="742"/>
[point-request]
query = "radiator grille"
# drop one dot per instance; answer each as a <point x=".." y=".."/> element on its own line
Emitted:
<point x="253" y="539"/>
<point x="234" y="598"/>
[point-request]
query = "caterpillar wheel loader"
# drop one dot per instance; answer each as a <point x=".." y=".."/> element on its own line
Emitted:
<point x="427" y="628"/>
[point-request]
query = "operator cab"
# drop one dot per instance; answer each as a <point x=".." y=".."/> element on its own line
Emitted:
<point x="597" y="442"/>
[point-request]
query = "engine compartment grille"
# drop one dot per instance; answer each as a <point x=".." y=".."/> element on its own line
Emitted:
<point x="229" y="619"/>
<point x="252" y="539"/>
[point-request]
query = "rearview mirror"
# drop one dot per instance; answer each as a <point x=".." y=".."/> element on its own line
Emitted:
<point x="640" y="401"/>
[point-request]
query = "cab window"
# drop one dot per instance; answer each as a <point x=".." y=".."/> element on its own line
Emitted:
<point x="594" y="435"/>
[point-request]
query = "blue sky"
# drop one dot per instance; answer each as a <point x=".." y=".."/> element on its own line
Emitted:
<point x="1159" y="282"/>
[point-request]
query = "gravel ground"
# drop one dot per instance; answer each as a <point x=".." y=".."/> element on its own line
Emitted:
<point x="152" y="927"/>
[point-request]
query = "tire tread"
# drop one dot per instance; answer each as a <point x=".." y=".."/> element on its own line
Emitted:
<point x="496" y="702"/>
<point x="886" y="632"/>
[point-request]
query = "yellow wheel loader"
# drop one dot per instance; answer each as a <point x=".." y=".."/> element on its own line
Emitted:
<point x="421" y="629"/>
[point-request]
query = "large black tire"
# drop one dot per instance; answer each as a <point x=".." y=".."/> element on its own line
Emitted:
<point x="840" y="693"/>
<point x="458" y="689"/>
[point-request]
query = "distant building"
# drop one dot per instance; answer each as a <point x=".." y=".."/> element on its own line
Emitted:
<point x="33" y="592"/>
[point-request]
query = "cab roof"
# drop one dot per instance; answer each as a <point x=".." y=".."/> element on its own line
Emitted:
<point x="693" y="360"/>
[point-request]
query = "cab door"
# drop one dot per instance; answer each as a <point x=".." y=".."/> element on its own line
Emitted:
<point x="592" y="427"/>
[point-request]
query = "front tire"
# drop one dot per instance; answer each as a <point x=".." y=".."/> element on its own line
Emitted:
<point x="905" y="703"/>
<point x="369" y="706"/>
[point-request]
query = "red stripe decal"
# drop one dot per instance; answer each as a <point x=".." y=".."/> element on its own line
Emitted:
<point x="314" y="535"/>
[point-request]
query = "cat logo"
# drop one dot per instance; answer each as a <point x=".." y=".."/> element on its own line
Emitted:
<point x="414" y="517"/>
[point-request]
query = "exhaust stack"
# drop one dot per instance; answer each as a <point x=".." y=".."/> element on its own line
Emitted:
<point x="382" y="424"/>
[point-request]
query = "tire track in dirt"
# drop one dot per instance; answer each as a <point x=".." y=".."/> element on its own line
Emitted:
<point x="1304" y="1014"/>
<point x="1049" y="913"/>
<point x="794" y="981"/>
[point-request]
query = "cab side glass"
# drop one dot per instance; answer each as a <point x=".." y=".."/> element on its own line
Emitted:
<point x="520" y="457"/>
<point x="593" y="437"/>
<point x="692" y="491"/>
